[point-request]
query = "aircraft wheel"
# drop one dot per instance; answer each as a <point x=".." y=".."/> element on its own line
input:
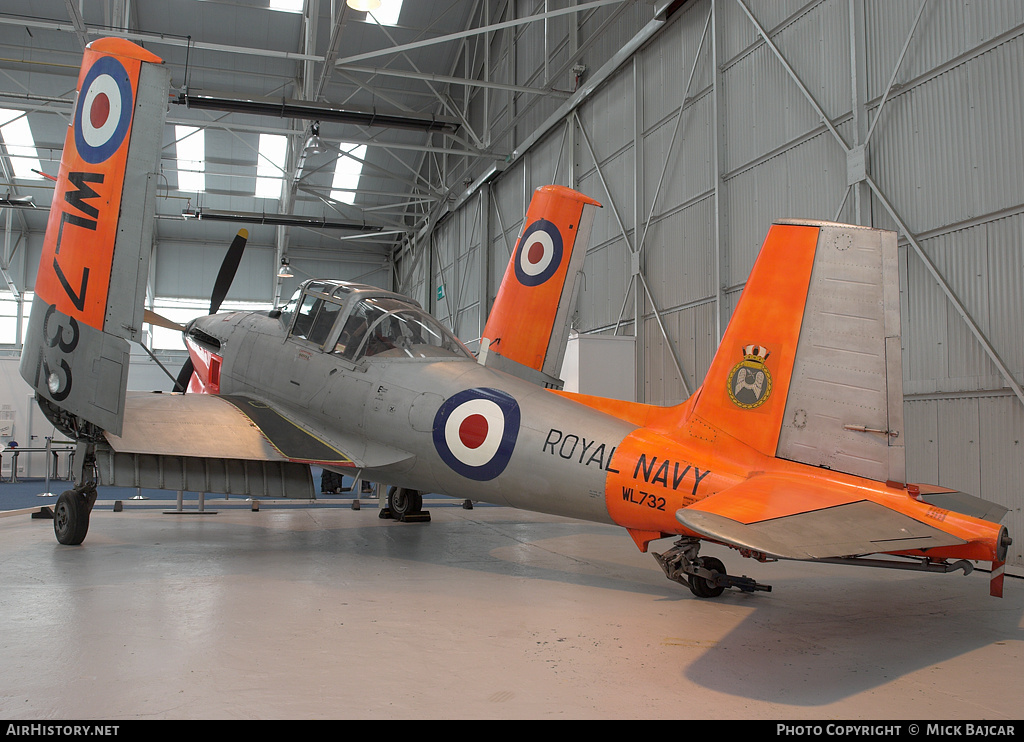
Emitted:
<point x="702" y="587"/>
<point x="403" y="502"/>
<point x="71" y="518"/>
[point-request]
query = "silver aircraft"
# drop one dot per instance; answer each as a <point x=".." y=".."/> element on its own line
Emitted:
<point x="791" y="449"/>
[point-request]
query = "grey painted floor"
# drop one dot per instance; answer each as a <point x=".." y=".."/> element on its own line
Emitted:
<point x="329" y="612"/>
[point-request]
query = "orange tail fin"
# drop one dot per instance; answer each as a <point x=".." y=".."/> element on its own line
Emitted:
<point x="810" y="366"/>
<point x="90" y="288"/>
<point x="527" y="329"/>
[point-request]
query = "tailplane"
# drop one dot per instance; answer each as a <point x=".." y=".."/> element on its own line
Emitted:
<point x="528" y="327"/>
<point x="810" y="366"/>
<point x="90" y="288"/>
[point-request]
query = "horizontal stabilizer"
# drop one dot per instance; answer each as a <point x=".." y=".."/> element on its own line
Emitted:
<point x="779" y="517"/>
<point x="961" y="502"/>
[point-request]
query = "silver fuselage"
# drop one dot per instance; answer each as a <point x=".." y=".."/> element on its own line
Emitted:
<point x="383" y="412"/>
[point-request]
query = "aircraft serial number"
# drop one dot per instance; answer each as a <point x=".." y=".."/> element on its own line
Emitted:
<point x="654" y="502"/>
<point x="55" y="337"/>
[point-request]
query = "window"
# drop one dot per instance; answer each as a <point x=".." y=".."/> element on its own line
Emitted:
<point x="270" y="165"/>
<point x="190" y="142"/>
<point x="391" y="328"/>
<point x="315" y="319"/>
<point x="346" y="173"/>
<point x="387" y="14"/>
<point x="287" y="6"/>
<point x="8" y="318"/>
<point x="20" y="144"/>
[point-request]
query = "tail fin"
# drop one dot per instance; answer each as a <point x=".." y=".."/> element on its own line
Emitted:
<point x="528" y="327"/>
<point x="810" y="366"/>
<point x="90" y="288"/>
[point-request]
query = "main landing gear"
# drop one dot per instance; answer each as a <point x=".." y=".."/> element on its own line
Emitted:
<point x="405" y="506"/>
<point x="705" y="576"/>
<point x="71" y="514"/>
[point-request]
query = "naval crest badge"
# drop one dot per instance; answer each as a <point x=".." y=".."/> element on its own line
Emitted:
<point x="750" y="382"/>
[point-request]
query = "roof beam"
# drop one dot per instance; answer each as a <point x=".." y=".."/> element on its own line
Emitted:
<point x="480" y="30"/>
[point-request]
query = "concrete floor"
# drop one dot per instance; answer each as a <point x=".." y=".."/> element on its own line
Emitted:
<point x="328" y="612"/>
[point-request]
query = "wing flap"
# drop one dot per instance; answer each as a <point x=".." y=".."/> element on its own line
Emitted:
<point x="209" y="426"/>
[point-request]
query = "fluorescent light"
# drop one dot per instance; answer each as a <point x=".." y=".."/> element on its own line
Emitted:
<point x="190" y="142"/>
<point x="20" y="144"/>
<point x="270" y="165"/>
<point x="346" y="174"/>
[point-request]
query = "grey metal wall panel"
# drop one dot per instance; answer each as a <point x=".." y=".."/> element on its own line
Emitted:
<point x="688" y="171"/>
<point x="946" y="155"/>
<point x="682" y="245"/>
<point x="606" y="279"/>
<point x="947" y="30"/>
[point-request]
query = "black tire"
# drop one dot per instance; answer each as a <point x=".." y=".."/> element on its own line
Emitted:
<point x="403" y="502"/>
<point x="71" y="518"/>
<point x="702" y="587"/>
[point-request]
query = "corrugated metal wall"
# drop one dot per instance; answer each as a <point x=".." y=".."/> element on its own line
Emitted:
<point x="713" y="129"/>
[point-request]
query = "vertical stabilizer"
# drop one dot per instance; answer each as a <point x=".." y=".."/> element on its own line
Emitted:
<point x="90" y="287"/>
<point x="528" y="327"/>
<point x="810" y="366"/>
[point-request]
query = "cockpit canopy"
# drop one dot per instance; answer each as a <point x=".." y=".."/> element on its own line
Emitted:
<point x="356" y="322"/>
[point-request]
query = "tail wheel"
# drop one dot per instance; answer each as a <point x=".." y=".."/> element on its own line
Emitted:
<point x="704" y="587"/>
<point x="71" y="518"/>
<point x="403" y="502"/>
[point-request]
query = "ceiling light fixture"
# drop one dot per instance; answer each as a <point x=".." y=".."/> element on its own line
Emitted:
<point x="285" y="270"/>
<point x="363" y="5"/>
<point x="315" y="145"/>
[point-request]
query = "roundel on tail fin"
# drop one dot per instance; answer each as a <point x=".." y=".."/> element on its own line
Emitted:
<point x="539" y="253"/>
<point x="104" y="110"/>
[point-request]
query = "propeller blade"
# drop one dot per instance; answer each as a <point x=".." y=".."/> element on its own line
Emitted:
<point x="228" y="269"/>
<point x="184" y="376"/>
<point x="155" y="319"/>
<point x="225" y="276"/>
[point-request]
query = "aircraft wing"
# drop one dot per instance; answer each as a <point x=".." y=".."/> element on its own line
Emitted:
<point x="791" y="518"/>
<point x="233" y="427"/>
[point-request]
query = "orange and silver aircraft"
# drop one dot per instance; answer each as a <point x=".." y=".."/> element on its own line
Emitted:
<point x="791" y="449"/>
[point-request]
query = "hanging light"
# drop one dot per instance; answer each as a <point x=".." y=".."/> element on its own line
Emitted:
<point x="285" y="270"/>
<point x="315" y="145"/>
<point x="363" y="5"/>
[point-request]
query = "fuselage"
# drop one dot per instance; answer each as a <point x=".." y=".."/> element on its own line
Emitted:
<point x="427" y="416"/>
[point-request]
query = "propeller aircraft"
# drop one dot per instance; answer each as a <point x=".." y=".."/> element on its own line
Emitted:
<point x="791" y="449"/>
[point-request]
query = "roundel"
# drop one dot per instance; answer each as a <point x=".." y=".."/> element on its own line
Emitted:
<point x="104" y="110"/>
<point x="539" y="253"/>
<point x="475" y="432"/>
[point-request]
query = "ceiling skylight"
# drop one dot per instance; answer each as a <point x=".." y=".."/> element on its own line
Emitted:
<point x="346" y="175"/>
<point x="21" y="146"/>
<point x="288" y="6"/>
<point x="270" y="165"/>
<point x="387" y="14"/>
<point x="190" y="142"/>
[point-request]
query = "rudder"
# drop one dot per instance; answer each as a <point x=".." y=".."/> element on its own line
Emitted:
<point x="90" y="287"/>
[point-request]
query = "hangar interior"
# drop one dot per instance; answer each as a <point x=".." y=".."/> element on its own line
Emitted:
<point x="400" y="148"/>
